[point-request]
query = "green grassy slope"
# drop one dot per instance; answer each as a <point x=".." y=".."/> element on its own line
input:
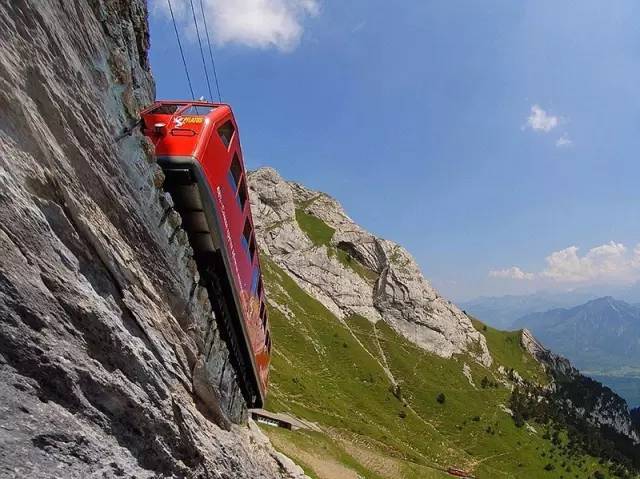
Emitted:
<point x="341" y="374"/>
<point x="321" y="233"/>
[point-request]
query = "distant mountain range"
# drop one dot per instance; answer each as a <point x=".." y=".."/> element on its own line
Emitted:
<point x="504" y="311"/>
<point x="600" y="335"/>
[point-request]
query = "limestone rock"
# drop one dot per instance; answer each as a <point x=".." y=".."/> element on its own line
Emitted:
<point x="102" y="319"/>
<point x="385" y="282"/>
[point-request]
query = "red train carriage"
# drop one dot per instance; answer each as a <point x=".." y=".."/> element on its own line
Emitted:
<point x="454" y="471"/>
<point x="198" y="147"/>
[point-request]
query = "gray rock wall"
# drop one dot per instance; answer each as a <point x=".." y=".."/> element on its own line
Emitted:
<point x="110" y="359"/>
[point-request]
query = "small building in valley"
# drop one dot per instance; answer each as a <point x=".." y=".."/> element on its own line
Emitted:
<point x="280" y="420"/>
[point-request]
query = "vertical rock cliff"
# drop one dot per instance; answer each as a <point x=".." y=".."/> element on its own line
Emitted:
<point x="110" y="359"/>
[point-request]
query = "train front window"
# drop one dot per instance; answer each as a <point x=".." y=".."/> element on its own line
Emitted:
<point x="167" y="109"/>
<point x="198" y="110"/>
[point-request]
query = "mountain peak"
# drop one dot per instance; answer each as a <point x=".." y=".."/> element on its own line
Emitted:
<point x="352" y="272"/>
<point x="599" y="335"/>
<point x="609" y="300"/>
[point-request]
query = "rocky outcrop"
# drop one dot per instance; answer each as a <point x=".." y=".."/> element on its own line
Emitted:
<point x="356" y="272"/>
<point x="550" y="361"/>
<point x="110" y="359"/>
<point x="579" y="394"/>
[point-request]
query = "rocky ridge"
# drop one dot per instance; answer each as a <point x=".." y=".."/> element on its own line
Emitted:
<point x="110" y="359"/>
<point x="581" y="395"/>
<point x="356" y="273"/>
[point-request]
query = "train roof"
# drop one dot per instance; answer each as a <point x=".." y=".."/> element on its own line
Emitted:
<point x="182" y="106"/>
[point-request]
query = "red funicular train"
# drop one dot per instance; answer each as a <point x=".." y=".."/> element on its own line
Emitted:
<point x="197" y="146"/>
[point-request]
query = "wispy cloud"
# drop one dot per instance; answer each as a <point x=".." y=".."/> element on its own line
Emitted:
<point x="608" y="262"/>
<point x="253" y="23"/>
<point x="511" y="273"/>
<point x="635" y="262"/>
<point x="564" y="141"/>
<point x="540" y="120"/>
<point x="359" y="27"/>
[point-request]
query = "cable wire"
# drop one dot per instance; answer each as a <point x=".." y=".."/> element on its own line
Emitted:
<point x="213" y="63"/>
<point x="204" y="63"/>
<point x="184" y="62"/>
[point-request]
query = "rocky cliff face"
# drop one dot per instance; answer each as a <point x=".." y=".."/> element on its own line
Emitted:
<point x="352" y="272"/>
<point x="581" y="395"/>
<point x="110" y="359"/>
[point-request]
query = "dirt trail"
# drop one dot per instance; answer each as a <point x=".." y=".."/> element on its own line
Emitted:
<point x="323" y="467"/>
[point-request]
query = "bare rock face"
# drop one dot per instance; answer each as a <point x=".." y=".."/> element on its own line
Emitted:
<point x="385" y="283"/>
<point x="110" y="359"/>
<point x="579" y="394"/>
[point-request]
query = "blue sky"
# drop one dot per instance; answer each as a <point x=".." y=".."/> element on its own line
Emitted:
<point x="496" y="140"/>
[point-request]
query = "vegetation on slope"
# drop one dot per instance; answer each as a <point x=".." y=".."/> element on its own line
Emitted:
<point x="388" y="409"/>
<point x="321" y="234"/>
<point x="507" y="351"/>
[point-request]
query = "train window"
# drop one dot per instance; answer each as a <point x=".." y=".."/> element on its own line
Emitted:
<point x="247" y="237"/>
<point x="235" y="172"/>
<point x="198" y="110"/>
<point x="226" y="132"/>
<point x="264" y="320"/>
<point x="267" y="342"/>
<point x="167" y="109"/>
<point x="252" y="248"/>
<point x="262" y="312"/>
<point x="242" y="194"/>
<point x="259" y="289"/>
<point x="255" y="281"/>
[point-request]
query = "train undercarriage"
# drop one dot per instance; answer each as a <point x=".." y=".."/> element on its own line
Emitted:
<point x="193" y="199"/>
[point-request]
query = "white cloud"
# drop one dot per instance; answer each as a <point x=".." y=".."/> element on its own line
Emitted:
<point x="564" y="141"/>
<point x="359" y="27"/>
<point x="540" y="120"/>
<point x="252" y="23"/>
<point x="511" y="273"/>
<point x="610" y="262"/>
<point x="635" y="262"/>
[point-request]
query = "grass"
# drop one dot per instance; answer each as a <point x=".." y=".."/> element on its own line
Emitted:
<point x="332" y="372"/>
<point x="319" y="232"/>
<point x="507" y="351"/>
<point x="350" y="262"/>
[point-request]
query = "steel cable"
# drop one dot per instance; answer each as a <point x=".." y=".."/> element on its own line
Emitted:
<point x="184" y="62"/>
